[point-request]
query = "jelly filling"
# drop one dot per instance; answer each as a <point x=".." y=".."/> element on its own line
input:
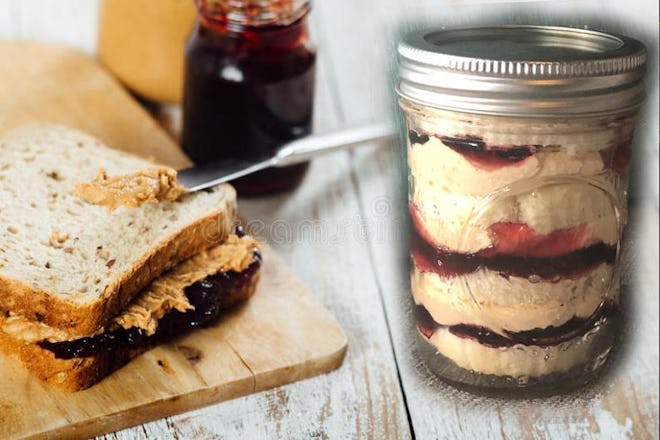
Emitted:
<point x="490" y="157"/>
<point x="417" y="138"/>
<point x="209" y="297"/>
<point x="475" y="150"/>
<point x="548" y="336"/>
<point x="449" y="264"/>
<point x="520" y="240"/>
<point x="518" y="251"/>
<point x="617" y="157"/>
<point x="512" y="238"/>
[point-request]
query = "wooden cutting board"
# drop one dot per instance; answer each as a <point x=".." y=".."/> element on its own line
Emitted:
<point x="51" y="83"/>
<point x="281" y="335"/>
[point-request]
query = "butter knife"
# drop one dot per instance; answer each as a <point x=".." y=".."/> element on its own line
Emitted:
<point x="300" y="150"/>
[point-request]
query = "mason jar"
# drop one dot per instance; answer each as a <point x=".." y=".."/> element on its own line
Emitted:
<point x="519" y="145"/>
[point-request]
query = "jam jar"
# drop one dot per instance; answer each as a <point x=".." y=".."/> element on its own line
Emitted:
<point x="518" y="150"/>
<point x="249" y="87"/>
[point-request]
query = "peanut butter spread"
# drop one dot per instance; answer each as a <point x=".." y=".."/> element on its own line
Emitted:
<point x="167" y="292"/>
<point x="29" y="331"/>
<point x="151" y="185"/>
<point x="163" y="295"/>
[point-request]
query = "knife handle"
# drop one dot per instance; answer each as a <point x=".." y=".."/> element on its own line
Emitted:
<point x="307" y="147"/>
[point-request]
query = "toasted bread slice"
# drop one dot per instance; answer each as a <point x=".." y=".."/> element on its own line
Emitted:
<point x="71" y="264"/>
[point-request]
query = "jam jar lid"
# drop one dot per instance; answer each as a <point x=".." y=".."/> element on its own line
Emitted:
<point x="521" y="70"/>
<point x="254" y="12"/>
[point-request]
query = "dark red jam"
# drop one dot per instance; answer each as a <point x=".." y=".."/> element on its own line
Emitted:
<point x="248" y="90"/>
<point x="475" y="150"/>
<point x="545" y="337"/>
<point x="209" y="298"/>
<point x="491" y="157"/>
<point x="417" y="138"/>
<point x="450" y="264"/>
<point x="517" y="252"/>
<point x="518" y="239"/>
<point x="618" y="157"/>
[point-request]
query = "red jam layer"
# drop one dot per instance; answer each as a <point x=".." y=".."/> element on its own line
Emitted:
<point x="487" y="157"/>
<point x="617" y="157"/>
<point x="445" y="263"/>
<point x="418" y="138"/>
<point x="209" y="298"/>
<point x="520" y="240"/>
<point x="492" y="157"/>
<point x="545" y="337"/>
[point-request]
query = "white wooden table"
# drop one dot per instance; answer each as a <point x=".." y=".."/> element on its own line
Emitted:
<point x="341" y="233"/>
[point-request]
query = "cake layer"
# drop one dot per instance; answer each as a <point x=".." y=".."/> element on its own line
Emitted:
<point x="572" y="135"/>
<point x="486" y="299"/>
<point x="540" y="337"/>
<point x="570" y="265"/>
<point x="477" y="349"/>
<point x="511" y="361"/>
<point x="440" y="164"/>
<point x="466" y="223"/>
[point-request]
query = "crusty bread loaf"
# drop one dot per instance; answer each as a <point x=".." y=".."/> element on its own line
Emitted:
<point x="80" y="373"/>
<point x="70" y="264"/>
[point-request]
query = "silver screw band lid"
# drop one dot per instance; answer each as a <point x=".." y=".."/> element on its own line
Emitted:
<point x="522" y="70"/>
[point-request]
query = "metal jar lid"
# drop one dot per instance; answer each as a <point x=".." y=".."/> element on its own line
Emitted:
<point x="522" y="70"/>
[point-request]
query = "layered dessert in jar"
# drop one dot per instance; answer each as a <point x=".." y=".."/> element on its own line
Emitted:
<point x="516" y="216"/>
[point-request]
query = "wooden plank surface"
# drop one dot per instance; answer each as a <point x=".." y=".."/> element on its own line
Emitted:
<point x="57" y="84"/>
<point x="356" y="42"/>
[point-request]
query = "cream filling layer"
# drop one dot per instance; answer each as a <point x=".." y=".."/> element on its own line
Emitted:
<point x="514" y="304"/>
<point x="436" y="165"/>
<point x="519" y="360"/>
<point x="461" y="223"/>
<point x="513" y="361"/>
<point x="571" y="134"/>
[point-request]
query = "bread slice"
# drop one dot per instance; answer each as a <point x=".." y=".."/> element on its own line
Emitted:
<point x="66" y="374"/>
<point x="70" y="264"/>
<point x="20" y="338"/>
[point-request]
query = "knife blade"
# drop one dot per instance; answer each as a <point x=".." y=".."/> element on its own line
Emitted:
<point x="300" y="150"/>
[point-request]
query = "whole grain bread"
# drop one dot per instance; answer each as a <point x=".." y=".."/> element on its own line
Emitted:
<point x="80" y="373"/>
<point x="71" y="264"/>
<point x="66" y="374"/>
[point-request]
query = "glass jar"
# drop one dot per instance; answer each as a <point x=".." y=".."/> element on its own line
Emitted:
<point x="142" y="42"/>
<point x="519" y="144"/>
<point x="249" y="87"/>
